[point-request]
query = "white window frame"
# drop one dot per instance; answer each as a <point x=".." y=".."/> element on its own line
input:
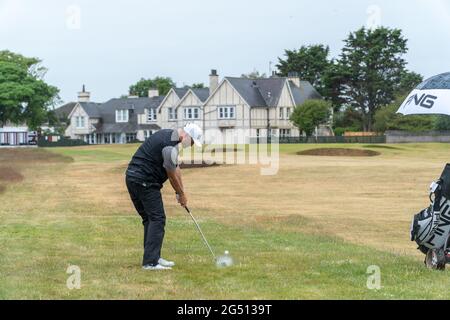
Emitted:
<point x="122" y="115"/>
<point x="281" y="113"/>
<point x="288" y="113"/>
<point x="80" y="122"/>
<point x="172" y="114"/>
<point x="191" y="113"/>
<point x="226" y="112"/>
<point x="152" y="115"/>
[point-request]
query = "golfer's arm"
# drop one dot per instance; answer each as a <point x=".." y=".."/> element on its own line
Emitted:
<point x="175" y="180"/>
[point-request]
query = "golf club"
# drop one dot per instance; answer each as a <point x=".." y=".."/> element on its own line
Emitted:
<point x="200" y="230"/>
<point x="222" y="261"/>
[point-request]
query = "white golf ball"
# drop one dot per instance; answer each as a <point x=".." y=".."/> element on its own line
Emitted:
<point x="227" y="252"/>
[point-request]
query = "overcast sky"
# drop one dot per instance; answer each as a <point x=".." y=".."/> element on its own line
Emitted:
<point x="108" y="45"/>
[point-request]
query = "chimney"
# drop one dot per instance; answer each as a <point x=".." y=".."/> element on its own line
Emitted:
<point x="294" y="77"/>
<point x="84" y="96"/>
<point x="153" y="93"/>
<point x="213" y="81"/>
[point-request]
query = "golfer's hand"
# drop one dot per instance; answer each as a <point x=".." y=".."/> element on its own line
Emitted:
<point x="182" y="200"/>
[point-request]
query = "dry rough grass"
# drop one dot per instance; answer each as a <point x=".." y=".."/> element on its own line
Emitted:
<point x="339" y="152"/>
<point x="31" y="156"/>
<point x="2" y="189"/>
<point x="362" y="200"/>
<point x="80" y="213"/>
<point x="9" y="174"/>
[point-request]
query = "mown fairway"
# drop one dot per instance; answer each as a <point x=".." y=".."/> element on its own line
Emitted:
<point x="309" y="232"/>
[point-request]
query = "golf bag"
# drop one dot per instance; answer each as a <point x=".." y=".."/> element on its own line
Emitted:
<point x="430" y="228"/>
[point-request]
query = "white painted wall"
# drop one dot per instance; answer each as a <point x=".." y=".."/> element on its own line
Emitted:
<point x="72" y="131"/>
<point x="240" y="126"/>
<point x="171" y="101"/>
<point x="190" y="100"/>
<point x="140" y="135"/>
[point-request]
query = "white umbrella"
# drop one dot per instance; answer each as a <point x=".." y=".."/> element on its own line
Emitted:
<point x="430" y="97"/>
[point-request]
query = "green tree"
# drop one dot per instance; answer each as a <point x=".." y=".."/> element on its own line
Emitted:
<point x="348" y="120"/>
<point x="24" y="96"/>
<point x="310" y="115"/>
<point x="372" y="66"/>
<point x="141" y="88"/>
<point x="333" y="79"/>
<point x="309" y="62"/>
<point x="387" y="118"/>
<point x="408" y="81"/>
<point x="442" y="123"/>
<point x="198" y="86"/>
<point x="255" y="74"/>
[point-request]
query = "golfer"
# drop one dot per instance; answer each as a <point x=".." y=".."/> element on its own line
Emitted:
<point x="153" y="163"/>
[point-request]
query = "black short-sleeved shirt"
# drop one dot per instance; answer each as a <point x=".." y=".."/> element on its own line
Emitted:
<point x="156" y="155"/>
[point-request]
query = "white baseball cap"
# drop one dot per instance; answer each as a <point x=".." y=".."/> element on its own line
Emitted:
<point x="195" y="132"/>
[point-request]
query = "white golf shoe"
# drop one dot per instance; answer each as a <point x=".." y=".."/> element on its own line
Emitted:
<point x="165" y="263"/>
<point x="158" y="267"/>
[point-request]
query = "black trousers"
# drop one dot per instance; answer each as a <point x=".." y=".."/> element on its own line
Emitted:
<point x="148" y="203"/>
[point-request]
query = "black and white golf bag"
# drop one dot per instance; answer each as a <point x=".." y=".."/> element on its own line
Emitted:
<point x="430" y="228"/>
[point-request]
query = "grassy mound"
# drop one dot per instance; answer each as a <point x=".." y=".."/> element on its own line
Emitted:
<point x="193" y="165"/>
<point x="339" y="152"/>
<point x="377" y="146"/>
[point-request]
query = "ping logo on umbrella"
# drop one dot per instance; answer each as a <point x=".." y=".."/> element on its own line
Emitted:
<point x="424" y="101"/>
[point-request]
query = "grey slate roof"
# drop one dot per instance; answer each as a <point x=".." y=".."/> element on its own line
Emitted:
<point x="64" y="111"/>
<point x="249" y="91"/>
<point x="202" y="94"/>
<point x="180" y="91"/>
<point x="267" y="92"/>
<point x="138" y="105"/>
<point x="304" y="92"/>
<point x="92" y="109"/>
<point x="271" y="89"/>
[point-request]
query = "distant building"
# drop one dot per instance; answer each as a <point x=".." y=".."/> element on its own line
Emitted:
<point x="258" y="107"/>
<point x="122" y="120"/>
<point x="15" y="135"/>
<point x="237" y="106"/>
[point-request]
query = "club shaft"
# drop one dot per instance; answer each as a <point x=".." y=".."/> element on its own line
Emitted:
<point x="200" y="230"/>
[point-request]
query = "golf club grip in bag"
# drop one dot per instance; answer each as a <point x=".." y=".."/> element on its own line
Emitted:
<point x="431" y="227"/>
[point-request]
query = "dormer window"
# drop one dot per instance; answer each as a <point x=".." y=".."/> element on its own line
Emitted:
<point x="151" y="115"/>
<point x="121" y="115"/>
